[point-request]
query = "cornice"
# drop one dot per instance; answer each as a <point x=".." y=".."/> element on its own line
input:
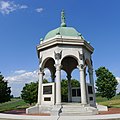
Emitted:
<point x="64" y="41"/>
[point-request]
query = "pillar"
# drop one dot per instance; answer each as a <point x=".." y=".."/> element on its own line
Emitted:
<point x="58" y="84"/>
<point x="83" y="85"/>
<point x="90" y="71"/>
<point x="69" y="88"/>
<point x="40" y="77"/>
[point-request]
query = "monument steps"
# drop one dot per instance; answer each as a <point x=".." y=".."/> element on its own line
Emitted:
<point x="77" y="109"/>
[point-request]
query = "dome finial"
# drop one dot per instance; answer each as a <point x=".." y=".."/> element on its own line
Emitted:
<point x="63" y="24"/>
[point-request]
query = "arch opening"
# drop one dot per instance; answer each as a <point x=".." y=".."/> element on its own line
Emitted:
<point x="49" y="68"/>
<point x="69" y="65"/>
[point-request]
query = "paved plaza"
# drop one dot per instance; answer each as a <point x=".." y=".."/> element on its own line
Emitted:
<point x="29" y="117"/>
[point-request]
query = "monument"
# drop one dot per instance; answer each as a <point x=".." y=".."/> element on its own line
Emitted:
<point x="64" y="48"/>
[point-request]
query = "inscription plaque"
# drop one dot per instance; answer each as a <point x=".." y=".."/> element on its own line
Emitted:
<point x="47" y="89"/>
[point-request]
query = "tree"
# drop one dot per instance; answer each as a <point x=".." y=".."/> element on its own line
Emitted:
<point x="106" y="83"/>
<point x="4" y="90"/>
<point x="64" y="88"/>
<point x="30" y="92"/>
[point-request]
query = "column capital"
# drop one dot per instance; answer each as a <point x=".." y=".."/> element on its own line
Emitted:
<point x="58" y="66"/>
<point x="81" y="67"/>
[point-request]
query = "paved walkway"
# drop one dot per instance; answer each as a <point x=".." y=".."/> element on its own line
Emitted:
<point x="29" y="117"/>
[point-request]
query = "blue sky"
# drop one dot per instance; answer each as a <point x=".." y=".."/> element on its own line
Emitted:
<point x="24" y="22"/>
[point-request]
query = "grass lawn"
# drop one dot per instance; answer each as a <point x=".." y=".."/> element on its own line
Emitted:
<point x="14" y="104"/>
<point x="114" y="102"/>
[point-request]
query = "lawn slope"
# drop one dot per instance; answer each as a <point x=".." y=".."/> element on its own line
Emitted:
<point x="14" y="104"/>
<point x="114" y="102"/>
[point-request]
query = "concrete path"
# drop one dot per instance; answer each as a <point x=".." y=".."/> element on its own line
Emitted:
<point x="29" y="117"/>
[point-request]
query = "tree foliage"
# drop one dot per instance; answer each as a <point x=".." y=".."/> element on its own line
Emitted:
<point x="30" y="92"/>
<point x="4" y="90"/>
<point x="64" y="88"/>
<point x="106" y="83"/>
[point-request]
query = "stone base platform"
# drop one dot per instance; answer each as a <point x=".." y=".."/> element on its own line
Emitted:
<point x="66" y="109"/>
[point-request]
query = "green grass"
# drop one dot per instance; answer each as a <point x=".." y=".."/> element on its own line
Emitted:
<point x="114" y="102"/>
<point x="14" y="104"/>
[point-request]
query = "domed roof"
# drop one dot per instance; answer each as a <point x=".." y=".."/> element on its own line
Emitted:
<point x="63" y="30"/>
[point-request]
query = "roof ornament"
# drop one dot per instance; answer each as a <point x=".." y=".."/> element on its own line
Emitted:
<point x="63" y="24"/>
<point x="41" y="40"/>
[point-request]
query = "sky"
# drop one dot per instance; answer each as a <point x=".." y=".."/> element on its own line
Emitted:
<point x="24" y="22"/>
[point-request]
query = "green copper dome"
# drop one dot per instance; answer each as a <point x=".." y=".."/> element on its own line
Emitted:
<point x="63" y="30"/>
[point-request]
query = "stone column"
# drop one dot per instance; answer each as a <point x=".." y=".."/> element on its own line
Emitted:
<point x="40" y="77"/>
<point x="69" y="88"/>
<point x="58" y="84"/>
<point x="82" y="85"/>
<point x="90" y="71"/>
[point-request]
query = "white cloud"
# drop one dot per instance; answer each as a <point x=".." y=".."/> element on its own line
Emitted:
<point x="39" y="10"/>
<point x="19" y="71"/>
<point x="6" y="7"/>
<point x="23" y="6"/>
<point x="23" y="76"/>
<point x="47" y="74"/>
<point x="118" y="79"/>
<point x="19" y="79"/>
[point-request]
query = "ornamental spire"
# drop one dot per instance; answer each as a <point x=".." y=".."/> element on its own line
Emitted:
<point x="63" y="24"/>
